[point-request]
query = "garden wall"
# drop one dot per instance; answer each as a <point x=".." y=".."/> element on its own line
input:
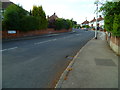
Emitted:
<point x="6" y="35"/>
<point x="114" y="43"/>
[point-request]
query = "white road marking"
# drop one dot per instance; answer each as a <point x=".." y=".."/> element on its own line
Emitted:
<point x="8" y="49"/>
<point x="77" y="34"/>
<point x="44" y="41"/>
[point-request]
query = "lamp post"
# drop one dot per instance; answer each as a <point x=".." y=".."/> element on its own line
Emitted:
<point x="96" y="2"/>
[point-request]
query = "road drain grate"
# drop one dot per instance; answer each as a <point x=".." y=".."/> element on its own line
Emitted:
<point x="69" y="57"/>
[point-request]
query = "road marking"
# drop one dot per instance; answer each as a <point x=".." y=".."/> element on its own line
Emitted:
<point x="44" y="41"/>
<point x="8" y="49"/>
<point x="54" y="39"/>
<point x="77" y="34"/>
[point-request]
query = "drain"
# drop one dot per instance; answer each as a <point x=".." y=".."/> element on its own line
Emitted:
<point x="69" y="57"/>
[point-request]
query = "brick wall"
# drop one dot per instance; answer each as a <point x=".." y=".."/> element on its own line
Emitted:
<point x="5" y="34"/>
<point x="114" y="43"/>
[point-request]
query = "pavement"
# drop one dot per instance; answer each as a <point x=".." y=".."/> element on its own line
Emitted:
<point x="94" y="66"/>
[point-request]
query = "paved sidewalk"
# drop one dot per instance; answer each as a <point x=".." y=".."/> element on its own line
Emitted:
<point x="96" y="66"/>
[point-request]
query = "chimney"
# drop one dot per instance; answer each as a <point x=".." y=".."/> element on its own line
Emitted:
<point x="100" y="16"/>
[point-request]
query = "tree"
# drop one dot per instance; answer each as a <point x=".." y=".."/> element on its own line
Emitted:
<point x="116" y="25"/>
<point x="29" y="23"/>
<point x="30" y="13"/>
<point x="61" y="23"/>
<point x="39" y="13"/>
<point x="13" y="16"/>
<point x="111" y="11"/>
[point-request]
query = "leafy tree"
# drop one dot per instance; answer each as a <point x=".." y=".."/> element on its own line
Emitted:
<point x="13" y="16"/>
<point x="30" y="13"/>
<point x="29" y="23"/>
<point x="63" y="24"/>
<point x="111" y="11"/>
<point x="39" y="13"/>
<point x="116" y="25"/>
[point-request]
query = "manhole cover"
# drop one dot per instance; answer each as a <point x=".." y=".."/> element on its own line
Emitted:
<point x="104" y="62"/>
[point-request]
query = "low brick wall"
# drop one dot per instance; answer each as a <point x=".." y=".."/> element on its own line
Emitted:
<point x="114" y="43"/>
<point x="5" y="34"/>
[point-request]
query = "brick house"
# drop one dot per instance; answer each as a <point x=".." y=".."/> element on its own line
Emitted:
<point x="5" y="4"/>
<point x="51" y="20"/>
<point x="85" y="23"/>
<point x="100" y="22"/>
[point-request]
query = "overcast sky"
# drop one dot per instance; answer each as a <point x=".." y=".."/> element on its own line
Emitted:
<point x="79" y="10"/>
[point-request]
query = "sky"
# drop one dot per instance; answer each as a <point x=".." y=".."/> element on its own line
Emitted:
<point x="79" y="10"/>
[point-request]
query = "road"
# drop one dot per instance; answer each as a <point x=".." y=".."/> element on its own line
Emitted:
<point x="39" y="62"/>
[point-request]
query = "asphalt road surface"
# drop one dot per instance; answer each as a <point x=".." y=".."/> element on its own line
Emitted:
<point x="39" y="62"/>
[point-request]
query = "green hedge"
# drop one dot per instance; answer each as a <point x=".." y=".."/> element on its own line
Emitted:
<point x="29" y="23"/>
<point x="111" y="12"/>
<point x="16" y="18"/>
<point x="63" y="24"/>
<point x="12" y="17"/>
<point x="116" y="26"/>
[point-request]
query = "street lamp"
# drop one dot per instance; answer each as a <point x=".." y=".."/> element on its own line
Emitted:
<point x="96" y="2"/>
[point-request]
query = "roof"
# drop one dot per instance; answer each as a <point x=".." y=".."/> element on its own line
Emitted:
<point x="53" y="17"/>
<point x="99" y="19"/>
<point x="6" y="3"/>
<point x="85" y="22"/>
<point x="93" y="20"/>
<point x="5" y="0"/>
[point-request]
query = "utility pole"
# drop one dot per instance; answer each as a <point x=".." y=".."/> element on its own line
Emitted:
<point x="96" y="2"/>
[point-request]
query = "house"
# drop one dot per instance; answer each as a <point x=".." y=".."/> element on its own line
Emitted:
<point x="100" y="22"/>
<point x="51" y="20"/>
<point x="53" y="17"/>
<point x="5" y="4"/>
<point x="85" y="23"/>
<point x="92" y="23"/>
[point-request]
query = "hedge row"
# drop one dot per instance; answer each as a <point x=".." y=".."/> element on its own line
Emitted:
<point x="16" y="18"/>
<point x="111" y="12"/>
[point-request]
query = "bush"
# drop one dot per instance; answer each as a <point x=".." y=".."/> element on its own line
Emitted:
<point x="85" y="26"/>
<point x="12" y="17"/>
<point x="116" y="26"/>
<point x="111" y="12"/>
<point x="29" y="23"/>
<point x="62" y="24"/>
<point x="40" y="14"/>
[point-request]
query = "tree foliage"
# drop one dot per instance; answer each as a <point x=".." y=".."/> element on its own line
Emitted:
<point x="13" y="16"/>
<point x="39" y="13"/>
<point x="111" y="12"/>
<point x="29" y="23"/>
<point x="63" y="24"/>
<point x="116" y="25"/>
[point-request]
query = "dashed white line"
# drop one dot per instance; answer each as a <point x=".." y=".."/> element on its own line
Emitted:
<point x="77" y="34"/>
<point x="8" y="49"/>
<point x="44" y="41"/>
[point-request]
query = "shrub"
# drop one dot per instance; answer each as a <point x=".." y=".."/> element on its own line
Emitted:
<point x="12" y="17"/>
<point x="63" y="24"/>
<point x="29" y="23"/>
<point x="40" y="14"/>
<point x="116" y="26"/>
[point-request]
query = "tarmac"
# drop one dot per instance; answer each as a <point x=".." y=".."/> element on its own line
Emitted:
<point x="94" y="66"/>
